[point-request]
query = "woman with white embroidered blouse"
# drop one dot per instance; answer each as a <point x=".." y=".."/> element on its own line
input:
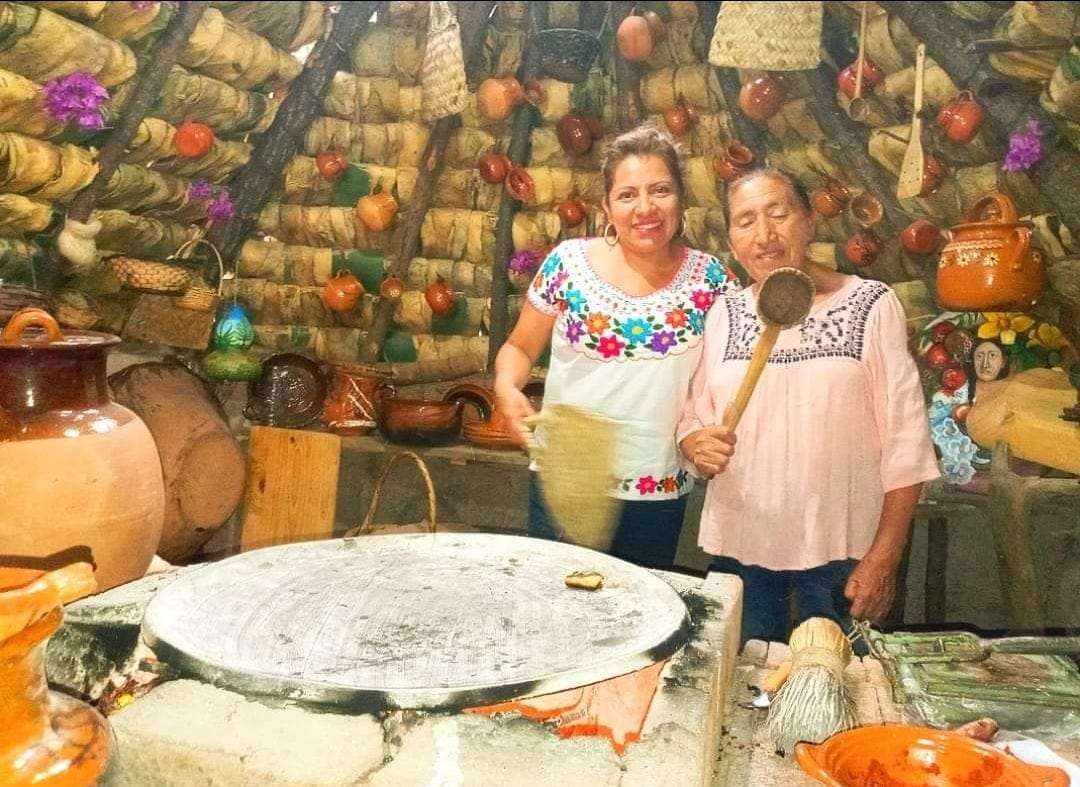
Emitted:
<point x="815" y="500"/>
<point x="624" y="316"/>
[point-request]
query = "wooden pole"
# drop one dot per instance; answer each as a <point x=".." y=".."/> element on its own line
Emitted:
<point x="260" y="178"/>
<point x="153" y="71"/>
<point x="473" y="20"/>
<point x="629" y="111"/>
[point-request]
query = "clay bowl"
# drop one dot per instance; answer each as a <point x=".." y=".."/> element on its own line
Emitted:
<point x="420" y="421"/>
<point x="488" y="436"/>
<point x="480" y="398"/>
<point x="894" y="754"/>
<point x="290" y="392"/>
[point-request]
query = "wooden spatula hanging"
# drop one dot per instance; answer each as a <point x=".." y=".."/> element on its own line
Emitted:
<point x="912" y="169"/>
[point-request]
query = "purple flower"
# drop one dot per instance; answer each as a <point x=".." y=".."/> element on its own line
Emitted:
<point x="524" y="262"/>
<point x="77" y="96"/>
<point x="662" y="341"/>
<point x="221" y="209"/>
<point x="142" y="5"/>
<point x="1025" y="148"/>
<point x="575" y="330"/>
<point x="200" y="191"/>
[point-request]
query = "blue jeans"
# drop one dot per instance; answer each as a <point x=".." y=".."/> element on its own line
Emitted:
<point x="818" y="593"/>
<point x="647" y="532"/>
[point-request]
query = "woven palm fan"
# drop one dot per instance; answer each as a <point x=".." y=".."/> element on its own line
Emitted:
<point x="575" y="462"/>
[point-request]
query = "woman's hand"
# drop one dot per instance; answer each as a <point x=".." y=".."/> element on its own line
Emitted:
<point x="871" y="588"/>
<point x="710" y="449"/>
<point x="514" y="407"/>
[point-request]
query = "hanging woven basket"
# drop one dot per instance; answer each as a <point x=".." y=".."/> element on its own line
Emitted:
<point x="780" y="36"/>
<point x="150" y="275"/>
<point x="198" y="297"/>
<point x="442" y="75"/>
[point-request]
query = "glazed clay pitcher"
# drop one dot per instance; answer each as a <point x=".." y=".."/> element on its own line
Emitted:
<point x="990" y="262"/>
<point x="352" y="408"/>
<point x="80" y="474"/>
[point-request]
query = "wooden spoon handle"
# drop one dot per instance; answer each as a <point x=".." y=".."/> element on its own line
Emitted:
<point x="762" y="350"/>
<point x="920" y="68"/>
<point x="862" y="51"/>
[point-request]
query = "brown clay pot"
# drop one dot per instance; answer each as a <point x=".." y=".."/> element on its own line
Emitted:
<point x="497" y="97"/>
<point x="920" y="237"/>
<point x="574" y="135"/>
<point x="872" y="75"/>
<point x="420" y="421"/>
<point x="862" y="248"/>
<point x="342" y="292"/>
<point x="831" y="199"/>
<point x="657" y="26"/>
<point x="493" y="167"/>
<point x="961" y="119"/>
<point x="49" y="738"/>
<point x="376" y="211"/>
<point x="352" y="407"/>
<point x="519" y="184"/>
<point x="392" y="288"/>
<point x="934" y="171"/>
<point x="79" y="472"/>
<point x="534" y="92"/>
<point x="866" y="210"/>
<point x="991" y="262"/>
<point x="735" y="160"/>
<point x="440" y="298"/>
<point x="761" y="98"/>
<point x="571" y="212"/>
<point x="678" y="120"/>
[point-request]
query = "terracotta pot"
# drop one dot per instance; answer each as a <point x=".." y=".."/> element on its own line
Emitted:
<point x="331" y="164"/>
<point x="493" y="167"/>
<point x="519" y="184"/>
<point x="376" y="211"/>
<point x="991" y="262"/>
<point x="392" y="288"/>
<point x="193" y="139"/>
<point x="862" y="248"/>
<point x="497" y="97"/>
<point x="574" y="135"/>
<point x="920" y="237"/>
<point x="571" y="212"/>
<point x="356" y="393"/>
<point x="761" y="98"/>
<point x="866" y="210"/>
<point x="49" y="738"/>
<point x="872" y="76"/>
<point x="934" y="171"/>
<point x="961" y="119"/>
<point x="634" y="39"/>
<point x="831" y="199"/>
<point x="534" y="92"/>
<point x="440" y="298"/>
<point x="735" y="160"/>
<point x="342" y="292"/>
<point x="678" y="120"/>
<point x="420" y="421"/>
<point x="79" y="472"/>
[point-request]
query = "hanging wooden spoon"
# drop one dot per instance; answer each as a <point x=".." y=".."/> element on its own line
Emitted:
<point x="911" y="170"/>
<point x="857" y="109"/>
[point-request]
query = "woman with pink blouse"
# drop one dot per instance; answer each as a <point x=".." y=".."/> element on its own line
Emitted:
<point x="812" y="497"/>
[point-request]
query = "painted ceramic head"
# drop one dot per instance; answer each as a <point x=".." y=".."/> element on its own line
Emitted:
<point x="990" y="361"/>
<point x="770" y="222"/>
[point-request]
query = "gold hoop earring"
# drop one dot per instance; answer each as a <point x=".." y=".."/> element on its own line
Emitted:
<point x="613" y="238"/>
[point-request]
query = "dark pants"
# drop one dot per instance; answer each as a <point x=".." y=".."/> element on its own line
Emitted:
<point x="818" y="593"/>
<point x="647" y="533"/>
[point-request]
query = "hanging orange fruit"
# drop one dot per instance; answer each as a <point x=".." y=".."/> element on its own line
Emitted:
<point x="331" y="164"/>
<point x="439" y="297"/>
<point x="376" y="211"/>
<point x="193" y="139"/>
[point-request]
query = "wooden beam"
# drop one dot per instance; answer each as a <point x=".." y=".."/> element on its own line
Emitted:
<point x="952" y="44"/>
<point x="260" y="178"/>
<point x="153" y="71"/>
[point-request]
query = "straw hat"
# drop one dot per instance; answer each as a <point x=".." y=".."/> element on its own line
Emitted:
<point x="782" y="36"/>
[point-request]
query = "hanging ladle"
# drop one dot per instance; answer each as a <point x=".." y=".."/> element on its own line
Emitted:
<point x="857" y="108"/>
<point x="783" y="302"/>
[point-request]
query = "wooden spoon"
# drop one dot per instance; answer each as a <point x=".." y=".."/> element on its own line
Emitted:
<point x="911" y="171"/>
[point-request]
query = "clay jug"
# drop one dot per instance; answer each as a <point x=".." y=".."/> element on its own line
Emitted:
<point x="761" y="98"/>
<point x="990" y="262"/>
<point x="961" y="119"/>
<point x="352" y="408"/>
<point x="497" y="97"/>
<point x="49" y="739"/>
<point x="80" y="474"/>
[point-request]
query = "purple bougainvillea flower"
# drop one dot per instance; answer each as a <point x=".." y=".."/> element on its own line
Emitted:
<point x="77" y="96"/>
<point x="142" y="5"/>
<point x="221" y="209"/>
<point x="525" y="261"/>
<point x="1025" y="147"/>
<point x="200" y="191"/>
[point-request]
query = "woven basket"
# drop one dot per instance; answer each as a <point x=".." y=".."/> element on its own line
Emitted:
<point x="780" y="36"/>
<point x="442" y="76"/>
<point x="369" y="526"/>
<point x="150" y="276"/>
<point x="198" y="297"/>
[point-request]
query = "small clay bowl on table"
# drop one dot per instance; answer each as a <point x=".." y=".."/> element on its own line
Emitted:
<point x="420" y="421"/>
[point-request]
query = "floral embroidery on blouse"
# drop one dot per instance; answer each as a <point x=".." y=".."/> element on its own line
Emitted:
<point x="837" y="333"/>
<point x="650" y="485"/>
<point x="599" y="320"/>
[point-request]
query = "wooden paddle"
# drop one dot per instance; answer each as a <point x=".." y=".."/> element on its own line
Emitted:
<point x="912" y="168"/>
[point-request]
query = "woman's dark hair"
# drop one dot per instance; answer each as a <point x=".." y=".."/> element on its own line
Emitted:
<point x="731" y="186"/>
<point x="647" y="140"/>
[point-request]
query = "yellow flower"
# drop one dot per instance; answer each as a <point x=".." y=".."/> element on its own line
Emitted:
<point x="1004" y="325"/>
<point x="1048" y="336"/>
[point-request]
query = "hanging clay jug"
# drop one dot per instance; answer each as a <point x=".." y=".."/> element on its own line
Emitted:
<point x="535" y="93"/>
<point x="634" y="39"/>
<point x="497" y="97"/>
<point x="574" y="136"/>
<point x="392" y="288"/>
<point x="493" y="167"/>
<point x="572" y="212"/>
<point x="440" y="298"/>
<point x="991" y="263"/>
<point x="342" y="292"/>
<point x="733" y="162"/>
<point x="519" y="184"/>
<point x="872" y="75"/>
<point x="193" y="139"/>
<point x="830" y="200"/>
<point x="863" y="248"/>
<point x="679" y="119"/>
<point x="331" y="165"/>
<point x="49" y="738"/>
<point x="920" y="237"/>
<point x="934" y="172"/>
<point x="376" y="211"/>
<point x="961" y="119"/>
<point x="78" y="471"/>
<point x="761" y="98"/>
<point x="352" y="407"/>
<point x="657" y="26"/>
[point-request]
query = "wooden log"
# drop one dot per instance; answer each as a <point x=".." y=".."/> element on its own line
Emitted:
<point x="201" y="461"/>
<point x="157" y="65"/>
<point x="473" y="21"/>
<point x="951" y="44"/>
<point x="259" y="179"/>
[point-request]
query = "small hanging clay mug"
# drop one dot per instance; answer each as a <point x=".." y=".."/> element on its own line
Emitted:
<point x="961" y="119"/>
<point x="830" y="200"/>
<point x="761" y="98"/>
<point x="735" y="160"/>
<point x="866" y="210"/>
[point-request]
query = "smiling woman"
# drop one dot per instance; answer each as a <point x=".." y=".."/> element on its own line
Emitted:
<point x="624" y="315"/>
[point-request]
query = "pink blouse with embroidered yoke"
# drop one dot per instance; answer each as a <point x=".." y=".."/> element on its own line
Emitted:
<point x="628" y="358"/>
<point x="837" y="420"/>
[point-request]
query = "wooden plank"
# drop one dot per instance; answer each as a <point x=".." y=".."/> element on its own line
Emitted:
<point x="291" y="486"/>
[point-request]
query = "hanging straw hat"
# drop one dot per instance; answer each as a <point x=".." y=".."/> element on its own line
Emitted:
<point x="782" y="36"/>
<point x="442" y="77"/>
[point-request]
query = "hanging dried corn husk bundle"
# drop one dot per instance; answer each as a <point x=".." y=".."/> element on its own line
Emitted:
<point x="503" y="50"/>
<point x="455" y="234"/>
<point x="21" y="215"/>
<point x="547" y="152"/>
<point x="130" y="24"/>
<point x="460" y="276"/>
<point x="220" y="48"/>
<point x="153" y="145"/>
<point x="466" y="145"/>
<point x="697" y="84"/>
<point x="899" y="86"/>
<point x="1062" y="95"/>
<point x="134" y="188"/>
<point x="278" y="262"/>
<point x="1034" y="24"/>
<point x="16" y="256"/>
<point x="287" y="26"/>
<point x="21" y="108"/>
<point x="414" y="315"/>
<point x="389" y="144"/>
<point x="76" y="309"/>
<point x="371" y="99"/>
<point x="794" y="124"/>
<point x="393" y="52"/>
<point x="678" y="46"/>
<point x="700" y="181"/>
<point x="83" y="10"/>
<point x="441" y="358"/>
<point x="555" y="184"/>
<point x="42" y="45"/>
<point x="442" y="75"/>
<point x="42" y="170"/>
<point x="918" y="303"/>
<point x="889" y="42"/>
<point x="704" y="229"/>
<point x="303" y="184"/>
<point x="282" y="304"/>
<point x="139" y="236"/>
<point x="281" y="338"/>
<point x="535" y="230"/>
<point x="336" y="228"/>
<point x="464" y="188"/>
<point x="811" y="163"/>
